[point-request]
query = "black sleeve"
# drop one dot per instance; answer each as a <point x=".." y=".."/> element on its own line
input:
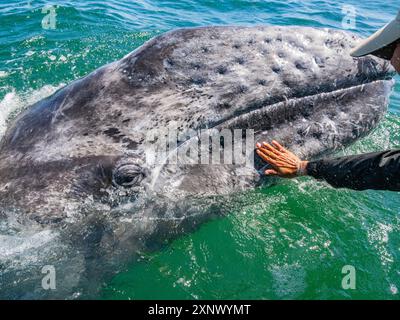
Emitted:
<point x="377" y="170"/>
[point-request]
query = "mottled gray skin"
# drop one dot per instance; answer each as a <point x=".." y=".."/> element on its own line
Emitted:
<point x="62" y="162"/>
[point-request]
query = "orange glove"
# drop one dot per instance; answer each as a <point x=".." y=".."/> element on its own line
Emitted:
<point x="285" y="164"/>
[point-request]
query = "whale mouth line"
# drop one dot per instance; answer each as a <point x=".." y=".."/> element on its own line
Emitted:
<point x="272" y="115"/>
<point x="246" y="118"/>
<point x="369" y="75"/>
<point x="259" y="118"/>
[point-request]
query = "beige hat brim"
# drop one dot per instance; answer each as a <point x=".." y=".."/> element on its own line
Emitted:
<point x="380" y="39"/>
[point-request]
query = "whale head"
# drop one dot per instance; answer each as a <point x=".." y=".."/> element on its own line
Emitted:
<point x="89" y="142"/>
<point x="89" y="155"/>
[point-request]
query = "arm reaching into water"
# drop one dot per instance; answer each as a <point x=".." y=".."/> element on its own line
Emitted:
<point x="377" y="170"/>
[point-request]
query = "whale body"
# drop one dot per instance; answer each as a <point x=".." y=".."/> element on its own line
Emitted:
<point x="76" y="186"/>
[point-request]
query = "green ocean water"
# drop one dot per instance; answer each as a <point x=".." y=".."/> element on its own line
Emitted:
<point x="288" y="241"/>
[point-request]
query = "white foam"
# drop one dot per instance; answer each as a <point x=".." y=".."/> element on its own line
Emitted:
<point x="14" y="102"/>
<point x="23" y="244"/>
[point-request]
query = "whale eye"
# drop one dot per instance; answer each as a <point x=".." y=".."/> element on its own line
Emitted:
<point x="128" y="175"/>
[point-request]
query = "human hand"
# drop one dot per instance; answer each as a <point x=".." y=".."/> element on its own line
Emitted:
<point x="395" y="61"/>
<point x="285" y="163"/>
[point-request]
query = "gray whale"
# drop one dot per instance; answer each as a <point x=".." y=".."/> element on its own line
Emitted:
<point x="74" y="165"/>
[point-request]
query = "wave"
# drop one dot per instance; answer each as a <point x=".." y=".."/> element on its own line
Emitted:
<point x="14" y="103"/>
